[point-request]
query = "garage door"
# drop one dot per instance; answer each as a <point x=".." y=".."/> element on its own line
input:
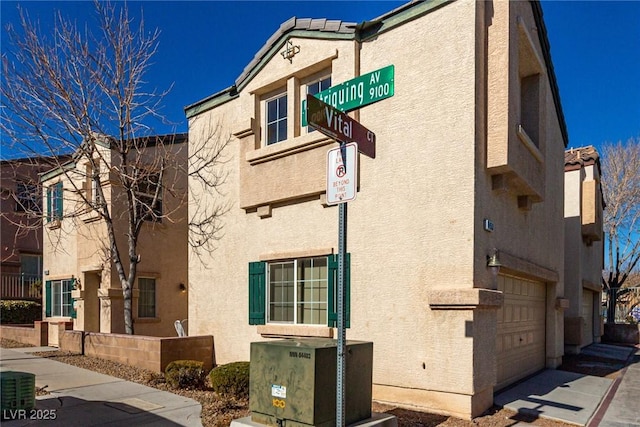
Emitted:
<point x="520" y="343"/>
<point x="587" y="317"/>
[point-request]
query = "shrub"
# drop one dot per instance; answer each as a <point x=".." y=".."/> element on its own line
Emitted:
<point x="20" y="312"/>
<point x="185" y="374"/>
<point x="231" y="380"/>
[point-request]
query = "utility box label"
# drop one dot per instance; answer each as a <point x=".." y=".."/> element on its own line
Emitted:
<point x="279" y="391"/>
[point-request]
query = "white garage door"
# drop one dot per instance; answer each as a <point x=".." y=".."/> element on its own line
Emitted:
<point x="587" y="317"/>
<point x="520" y="343"/>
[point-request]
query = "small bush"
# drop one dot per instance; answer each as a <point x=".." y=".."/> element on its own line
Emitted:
<point x="231" y="380"/>
<point x="185" y="374"/>
<point x="20" y="312"/>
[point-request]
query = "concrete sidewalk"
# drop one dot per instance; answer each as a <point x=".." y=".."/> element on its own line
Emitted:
<point x="79" y="397"/>
<point x="581" y="399"/>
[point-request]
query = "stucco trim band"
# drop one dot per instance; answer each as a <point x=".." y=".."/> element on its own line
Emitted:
<point x="287" y="148"/>
<point x="308" y="253"/>
<point x="273" y="330"/>
<point x="527" y="269"/>
<point x="448" y="299"/>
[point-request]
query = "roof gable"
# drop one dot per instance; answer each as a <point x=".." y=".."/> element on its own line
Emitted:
<point x="336" y="29"/>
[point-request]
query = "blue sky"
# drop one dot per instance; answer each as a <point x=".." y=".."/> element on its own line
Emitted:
<point x="205" y="45"/>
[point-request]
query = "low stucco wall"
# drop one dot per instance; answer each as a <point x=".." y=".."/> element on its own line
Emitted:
<point x="153" y="353"/>
<point x="36" y="334"/>
<point x="621" y="333"/>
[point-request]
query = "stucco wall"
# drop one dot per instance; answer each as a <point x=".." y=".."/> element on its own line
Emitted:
<point x="415" y="228"/>
<point x="78" y="246"/>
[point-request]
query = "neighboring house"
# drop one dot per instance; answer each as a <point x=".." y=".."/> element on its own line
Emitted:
<point x="469" y="159"/>
<point x="81" y="282"/>
<point x="21" y="229"/>
<point x="584" y="250"/>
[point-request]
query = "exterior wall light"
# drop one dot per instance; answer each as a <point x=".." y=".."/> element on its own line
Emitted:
<point x="182" y="287"/>
<point x="493" y="262"/>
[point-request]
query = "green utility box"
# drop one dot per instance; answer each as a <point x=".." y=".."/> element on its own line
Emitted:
<point x="293" y="382"/>
<point x="18" y="391"/>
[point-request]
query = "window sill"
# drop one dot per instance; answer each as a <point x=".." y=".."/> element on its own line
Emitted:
<point x="529" y="144"/>
<point x="91" y="218"/>
<point x="276" y="330"/>
<point x="288" y="147"/>
<point x="54" y="224"/>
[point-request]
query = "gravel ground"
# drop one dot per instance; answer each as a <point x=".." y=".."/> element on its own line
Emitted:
<point x="219" y="411"/>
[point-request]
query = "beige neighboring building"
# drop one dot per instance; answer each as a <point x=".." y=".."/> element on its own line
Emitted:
<point x="584" y="248"/>
<point x="469" y="158"/>
<point x="81" y="283"/>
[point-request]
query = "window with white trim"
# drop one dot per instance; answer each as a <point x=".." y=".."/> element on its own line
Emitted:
<point x="317" y="87"/>
<point x="298" y="291"/>
<point x="61" y="302"/>
<point x="54" y="202"/>
<point x="147" y="297"/>
<point x="276" y="119"/>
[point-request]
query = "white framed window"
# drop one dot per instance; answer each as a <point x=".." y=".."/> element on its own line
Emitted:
<point x="317" y="87"/>
<point x="297" y="291"/>
<point x="61" y="301"/>
<point x="147" y="297"/>
<point x="54" y="202"/>
<point x="276" y="119"/>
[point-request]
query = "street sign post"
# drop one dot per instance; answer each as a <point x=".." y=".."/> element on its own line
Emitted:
<point x="339" y="126"/>
<point x="357" y="92"/>
<point x="342" y="164"/>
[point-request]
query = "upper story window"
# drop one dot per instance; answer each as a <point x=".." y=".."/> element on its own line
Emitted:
<point x="531" y="81"/>
<point x="93" y="193"/>
<point x="530" y="106"/>
<point x="149" y="197"/>
<point x="54" y="202"/>
<point x="276" y="119"/>
<point x="27" y="197"/>
<point x="316" y="87"/>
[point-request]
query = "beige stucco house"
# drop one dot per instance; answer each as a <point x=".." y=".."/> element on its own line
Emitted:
<point x="469" y="161"/>
<point x="81" y="282"/>
<point x="584" y="249"/>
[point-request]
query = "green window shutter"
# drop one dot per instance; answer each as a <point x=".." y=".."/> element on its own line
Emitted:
<point x="257" y="293"/>
<point x="49" y="216"/>
<point x="59" y="200"/>
<point x="72" y="309"/>
<point x="332" y="315"/>
<point x="47" y="298"/>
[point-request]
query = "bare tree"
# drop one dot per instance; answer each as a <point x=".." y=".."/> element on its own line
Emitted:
<point x="82" y="92"/>
<point x="621" y="189"/>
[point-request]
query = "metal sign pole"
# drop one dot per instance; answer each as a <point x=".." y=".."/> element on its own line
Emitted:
<point x="341" y="350"/>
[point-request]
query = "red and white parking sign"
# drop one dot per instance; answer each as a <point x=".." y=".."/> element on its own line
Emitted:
<point x="341" y="174"/>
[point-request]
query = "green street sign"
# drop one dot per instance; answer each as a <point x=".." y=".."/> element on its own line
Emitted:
<point x="357" y="92"/>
